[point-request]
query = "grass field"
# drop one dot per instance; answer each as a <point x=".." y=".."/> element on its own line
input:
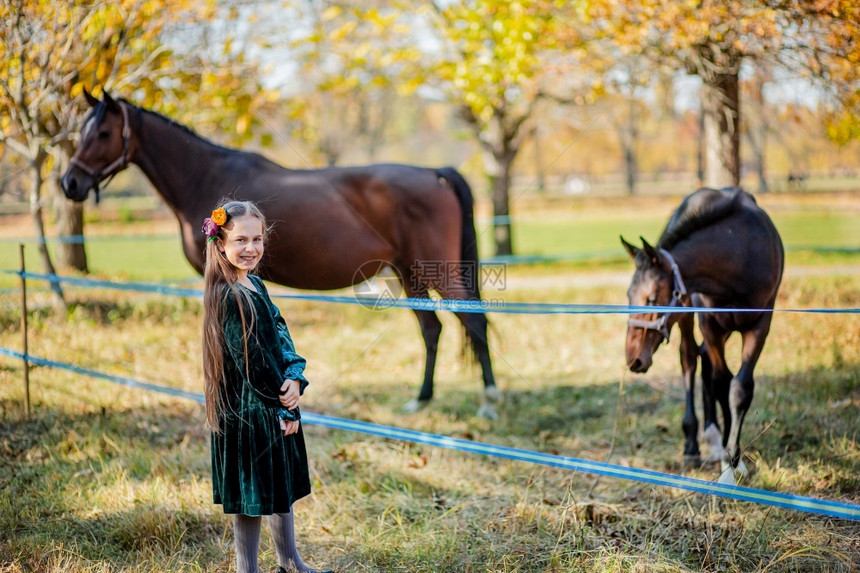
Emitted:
<point x="105" y="478"/>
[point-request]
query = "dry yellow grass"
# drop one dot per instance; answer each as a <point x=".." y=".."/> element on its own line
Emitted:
<point x="107" y="478"/>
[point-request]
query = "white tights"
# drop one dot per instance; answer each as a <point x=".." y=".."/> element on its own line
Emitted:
<point x="246" y="530"/>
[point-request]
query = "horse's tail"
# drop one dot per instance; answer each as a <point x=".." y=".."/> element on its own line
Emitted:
<point x="469" y="263"/>
<point x="476" y="324"/>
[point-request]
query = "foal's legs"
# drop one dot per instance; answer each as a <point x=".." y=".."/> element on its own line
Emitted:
<point x="712" y="433"/>
<point x="743" y="385"/>
<point x="716" y="377"/>
<point x="689" y="356"/>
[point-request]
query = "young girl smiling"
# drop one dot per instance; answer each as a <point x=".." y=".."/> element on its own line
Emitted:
<point x="253" y="383"/>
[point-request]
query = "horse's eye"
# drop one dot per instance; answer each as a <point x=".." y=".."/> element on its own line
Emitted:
<point x="104" y="134"/>
<point x="652" y="300"/>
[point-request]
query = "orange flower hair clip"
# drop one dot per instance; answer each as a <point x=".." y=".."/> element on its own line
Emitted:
<point x="219" y="216"/>
<point x="211" y="225"/>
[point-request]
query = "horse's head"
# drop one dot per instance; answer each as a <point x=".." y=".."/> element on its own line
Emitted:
<point x="104" y="149"/>
<point x="656" y="282"/>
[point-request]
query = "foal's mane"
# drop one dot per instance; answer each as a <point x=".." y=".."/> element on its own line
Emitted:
<point x="700" y="209"/>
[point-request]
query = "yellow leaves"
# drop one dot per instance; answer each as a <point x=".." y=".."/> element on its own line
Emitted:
<point x="343" y="31"/>
<point x="122" y="44"/>
<point x="504" y="48"/>
<point x="331" y="13"/>
<point x="844" y="127"/>
<point x="409" y="86"/>
<point x="76" y="89"/>
<point x="242" y="123"/>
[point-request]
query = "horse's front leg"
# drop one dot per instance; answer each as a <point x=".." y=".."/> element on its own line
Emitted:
<point x="689" y="357"/>
<point x="742" y="388"/>
<point x="715" y="384"/>
<point x="712" y="434"/>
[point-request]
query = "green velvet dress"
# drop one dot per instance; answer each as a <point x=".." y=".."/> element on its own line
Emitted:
<point x="256" y="470"/>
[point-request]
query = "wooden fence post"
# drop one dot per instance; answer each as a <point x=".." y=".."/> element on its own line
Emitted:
<point x="24" y="335"/>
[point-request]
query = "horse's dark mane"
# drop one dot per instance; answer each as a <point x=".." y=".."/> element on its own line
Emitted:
<point x="99" y="111"/>
<point x="698" y="210"/>
<point x="183" y="127"/>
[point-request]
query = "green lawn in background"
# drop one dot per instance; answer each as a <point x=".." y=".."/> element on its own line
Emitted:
<point x="598" y="234"/>
<point x="577" y="233"/>
<point x="157" y="258"/>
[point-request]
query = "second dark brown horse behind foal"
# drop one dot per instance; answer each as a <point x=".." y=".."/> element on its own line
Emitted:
<point x="331" y="228"/>
<point x="719" y="250"/>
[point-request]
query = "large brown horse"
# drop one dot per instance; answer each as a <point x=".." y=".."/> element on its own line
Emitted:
<point x="332" y="228"/>
<point x="719" y="250"/>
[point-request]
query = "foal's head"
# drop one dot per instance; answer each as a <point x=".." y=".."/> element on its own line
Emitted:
<point x="653" y="284"/>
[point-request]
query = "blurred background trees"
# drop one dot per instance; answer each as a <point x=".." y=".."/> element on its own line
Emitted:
<point x="525" y="97"/>
<point x="160" y="53"/>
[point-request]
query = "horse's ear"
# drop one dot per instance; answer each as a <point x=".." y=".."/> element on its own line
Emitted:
<point x="652" y="253"/>
<point x="109" y="101"/>
<point x="630" y="248"/>
<point x="91" y="99"/>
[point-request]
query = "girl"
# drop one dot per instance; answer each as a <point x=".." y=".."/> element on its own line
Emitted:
<point x="253" y="380"/>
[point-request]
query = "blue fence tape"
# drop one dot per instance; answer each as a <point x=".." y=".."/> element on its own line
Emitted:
<point x="742" y="493"/>
<point x="130" y="382"/>
<point x="427" y="304"/>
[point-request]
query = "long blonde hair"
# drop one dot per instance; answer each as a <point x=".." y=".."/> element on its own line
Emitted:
<point x="219" y="272"/>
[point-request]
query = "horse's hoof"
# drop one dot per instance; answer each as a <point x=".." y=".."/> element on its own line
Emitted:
<point x="742" y="470"/>
<point x="691" y="462"/>
<point x="713" y="438"/>
<point x="727" y="477"/>
<point x="488" y="411"/>
<point x="492" y="395"/>
<point x="727" y="472"/>
<point x="413" y="406"/>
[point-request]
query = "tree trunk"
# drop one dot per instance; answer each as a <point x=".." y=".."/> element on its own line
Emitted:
<point x="630" y="170"/>
<point x="499" y="175"/>
<point x="757" y="143"/>
<point x="629" y="139"/>
<point x="39" y="223"/>
<point x="721" y="98"/>
<point x="71" y="250"/>
<point x="700" y="147"/>
<point x="757" y="132"/>
<point x="539" y="174"/>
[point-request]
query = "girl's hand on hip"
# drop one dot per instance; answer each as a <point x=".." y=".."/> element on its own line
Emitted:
<point x="289" y="427"/>
<point x="290" y="394"/>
